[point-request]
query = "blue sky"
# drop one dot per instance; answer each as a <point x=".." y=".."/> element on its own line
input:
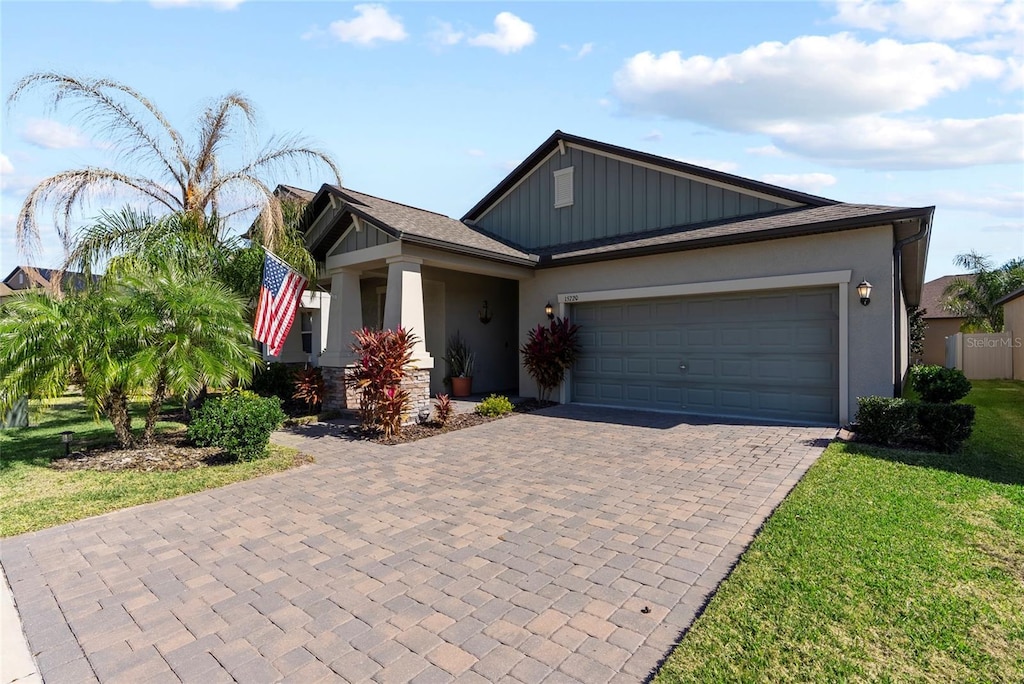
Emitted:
<point x="908" y="103"/>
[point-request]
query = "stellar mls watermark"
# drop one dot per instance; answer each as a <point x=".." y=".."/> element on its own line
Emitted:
<point x="994" y="343"/>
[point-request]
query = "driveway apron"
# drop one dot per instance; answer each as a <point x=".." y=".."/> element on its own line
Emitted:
<point x="571" y="544"/>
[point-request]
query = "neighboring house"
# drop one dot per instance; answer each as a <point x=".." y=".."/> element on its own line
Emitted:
<point x="5" y="292"/>
<point x="1013" y="323"/>
<point x="29" y="277"/>
<point x="941" y="322"/>
<point x="696" y="291"/>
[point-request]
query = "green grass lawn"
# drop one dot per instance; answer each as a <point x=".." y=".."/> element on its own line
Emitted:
<point x="882" y="565"/>
<point x="34" y="496"/>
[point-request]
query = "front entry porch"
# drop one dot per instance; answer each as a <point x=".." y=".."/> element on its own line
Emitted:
<point x="435" y="295"/>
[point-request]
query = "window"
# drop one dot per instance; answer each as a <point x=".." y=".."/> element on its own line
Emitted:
<point x="306" y="325"/>
<point x="563" y="188"/>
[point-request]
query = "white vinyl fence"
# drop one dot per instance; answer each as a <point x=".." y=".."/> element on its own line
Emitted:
<point x="982" y="356"/>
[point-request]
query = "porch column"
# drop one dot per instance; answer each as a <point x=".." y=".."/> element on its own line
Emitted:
<point x="403" y="305"/>
<point x="345" y="315"/>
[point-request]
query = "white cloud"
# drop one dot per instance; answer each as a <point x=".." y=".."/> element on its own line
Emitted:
<point x="830" y="97"/>
<point x="511" y="34"/>
<point x="53" y="135"/>
<point x="809" y="182"/>
<point x="445" y="35"/>
<point x="716" y="164"/>
<point x="765" y="151"/>
<point x="475" y="153"/>
<point x="584" y="50"/>
<point x="811" y="78"/>
<point x="6" y="167"/>
<point x="934" y="19"/>
<point x="881" y="142"/>
<point x="373" y="24"/>
<point x="1008" y="204"/>
<point x="1011" y="227"/>
<point x="654" y="136"/>
<point x="217" y="4"/>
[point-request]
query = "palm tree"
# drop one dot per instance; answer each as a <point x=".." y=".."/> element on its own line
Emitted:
<point x="151" y="332"/>
<point x="188" y="178"/>
<point x="975" y="298"/>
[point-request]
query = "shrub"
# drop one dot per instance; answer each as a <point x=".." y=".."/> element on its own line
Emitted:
<point x="443" y="409"/>
<point x="945" y="427"/>
<point x="549" y="352"/>
<point x="384" y="356"/>
<point x="274" y="380"/>
<point x="884" y="420"/>
<point x="495" y="405"/>
<point x="310" y="387"/>
<point x="938" y="385"/>
<point x="238" y="422"/>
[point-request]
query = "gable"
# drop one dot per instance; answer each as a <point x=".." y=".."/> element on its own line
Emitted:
<point x="359" y="235"/>
<point x="611" y="196"/>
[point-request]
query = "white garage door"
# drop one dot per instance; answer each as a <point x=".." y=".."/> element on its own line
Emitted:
<point x="770" y="354"/>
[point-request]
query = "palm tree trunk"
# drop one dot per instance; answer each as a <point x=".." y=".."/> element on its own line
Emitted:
<point x="155" y="404"/>
<point x="115" y="406"/>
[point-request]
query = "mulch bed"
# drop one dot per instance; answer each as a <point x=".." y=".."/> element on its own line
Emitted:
<point x="167" y="453"/>
<point x="411" y="433"/>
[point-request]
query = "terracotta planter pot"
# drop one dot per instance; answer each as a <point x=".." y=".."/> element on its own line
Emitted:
<point x="462" y="387"/>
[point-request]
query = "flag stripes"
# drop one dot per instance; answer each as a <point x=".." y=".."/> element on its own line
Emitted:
<point x="279" y="299"/>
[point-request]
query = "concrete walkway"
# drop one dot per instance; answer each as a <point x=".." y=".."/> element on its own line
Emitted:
<point x="566" y="545"/>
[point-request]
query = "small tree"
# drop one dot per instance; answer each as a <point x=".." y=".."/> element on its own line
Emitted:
<point x="384" y="357"/>
<point x="975" y="299"/>
<point x="918" y="325"/>
<point x="549" y="352"/>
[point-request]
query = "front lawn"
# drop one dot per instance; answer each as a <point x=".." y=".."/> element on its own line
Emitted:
<point x="882" y="564"/>
<point x="34" y="496"/>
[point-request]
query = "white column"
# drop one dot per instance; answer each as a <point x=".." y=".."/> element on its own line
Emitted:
<point x="403" y="304"/>
<point x="346" y="315"/>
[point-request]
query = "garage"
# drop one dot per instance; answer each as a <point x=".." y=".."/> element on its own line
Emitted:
<point x="767" y="354"/>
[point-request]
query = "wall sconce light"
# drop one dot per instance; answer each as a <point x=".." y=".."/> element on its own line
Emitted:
<point x="864" y="290"/>
<point x="484" y="314"/>
<point x="65" y="438"/>
<point x="549" y="311"/>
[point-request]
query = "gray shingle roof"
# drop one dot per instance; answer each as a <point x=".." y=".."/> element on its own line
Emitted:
<point x="802" y="220"/>
<point x="931" y="296"/>
<point x="420" y="225"/>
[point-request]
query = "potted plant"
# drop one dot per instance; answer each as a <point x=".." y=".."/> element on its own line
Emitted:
<point x="460" y="365"/>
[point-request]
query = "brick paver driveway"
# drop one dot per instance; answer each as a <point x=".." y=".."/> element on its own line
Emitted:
<point x="566" y="545"/>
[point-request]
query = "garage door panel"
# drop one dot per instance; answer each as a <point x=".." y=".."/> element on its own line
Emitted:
<point x="759" y="354"/>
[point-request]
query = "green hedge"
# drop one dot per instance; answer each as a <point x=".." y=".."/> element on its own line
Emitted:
<point x="939" y="385"/>
<point x="902" y="422"/>
<point x="239" y="422"/>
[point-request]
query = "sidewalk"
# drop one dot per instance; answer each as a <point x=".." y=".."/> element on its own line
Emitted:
<point x="16" y="663"/>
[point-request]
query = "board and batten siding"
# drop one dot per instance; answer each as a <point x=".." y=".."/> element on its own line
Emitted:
<point x="361" y="239"/>
<point x="610" y="198"/>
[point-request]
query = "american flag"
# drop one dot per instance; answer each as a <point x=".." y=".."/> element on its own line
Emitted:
<point x="279" y="298"/>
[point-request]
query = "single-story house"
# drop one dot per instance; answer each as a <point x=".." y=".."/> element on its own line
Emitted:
<point x="1013" y="323"/>
<point x="696" y="291"/>
<point x="941" y="322"/>
<point x="31" y="277"/>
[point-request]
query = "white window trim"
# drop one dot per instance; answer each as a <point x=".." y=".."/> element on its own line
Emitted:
<point x="837" y="278"/>
<point x="561" y="173"/>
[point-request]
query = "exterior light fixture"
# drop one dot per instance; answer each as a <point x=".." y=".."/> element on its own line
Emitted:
<point x="484" y="314"/>
<point x="864" y="290"/>
<point x="549" y="311"/>
<point x="65" y="438"/>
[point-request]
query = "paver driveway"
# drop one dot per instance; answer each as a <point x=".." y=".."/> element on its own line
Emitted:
<point x="567" y="545"/>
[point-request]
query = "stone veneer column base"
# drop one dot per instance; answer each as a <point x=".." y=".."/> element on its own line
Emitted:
<point x="341" y="396"/>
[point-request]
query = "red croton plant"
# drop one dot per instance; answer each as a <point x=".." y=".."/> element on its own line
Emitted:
<point x="550" y="351"/>
<point x="384" y="356"/>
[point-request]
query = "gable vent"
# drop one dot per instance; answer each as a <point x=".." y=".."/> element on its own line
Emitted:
<point x="563" y="187"/>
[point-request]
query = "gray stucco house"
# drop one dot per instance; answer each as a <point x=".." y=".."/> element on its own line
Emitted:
<point x="696" y="291"/>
